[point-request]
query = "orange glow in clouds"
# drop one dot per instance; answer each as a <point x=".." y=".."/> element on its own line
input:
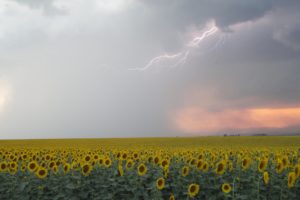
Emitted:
<point x="195" y="120"/>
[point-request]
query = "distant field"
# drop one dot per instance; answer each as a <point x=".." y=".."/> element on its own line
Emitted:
<point x="229" y="141"/>
<point x="254" y="167"/>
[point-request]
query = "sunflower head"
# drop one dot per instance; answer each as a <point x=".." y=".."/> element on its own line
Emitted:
<point x="129" y="164"/>
<point x="221" y="167"/>
<point x="266" y="178"/>
<point x="262" y="165"/>
<point x="160" y="183"/>
<point x="205" y="167"/>
<point x="285" y="161"/>
<point x="87" y="158"/>
<point x="107" y="162"/>
<point x="156" y="160"/>
<point x="226" y="188"/>
<point x="200" y="164"/>
<point x="41" y="172"/>
<point x="67" y="167"/>
<point x="120" y="170"/>
<point x="142" y="169"/>
<point x="193" y="189"/>
<point x="291" y="179"/>
<point x="32" y="166"/>
<point x="297" y="170"/>
<point x="279" y="167"/>
<point x="86" y="169"/>
<point x="13" y="165"/>
<point x="51" y="164"/>
<point x="3" y="166"/>
<point x="185" y="171"/>
<point x="246" y="163"/>
<point x="164" y="163"/>
<point x="55" y="169"/>
<point x="172" y="197"/>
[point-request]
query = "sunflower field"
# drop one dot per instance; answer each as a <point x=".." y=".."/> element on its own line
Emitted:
<point x="151" y="168"/>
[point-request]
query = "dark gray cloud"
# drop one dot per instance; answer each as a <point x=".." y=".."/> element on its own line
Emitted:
<point x="64" y="65"/>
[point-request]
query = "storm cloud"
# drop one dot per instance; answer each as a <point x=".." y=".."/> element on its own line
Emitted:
<point x="66" y="67"/>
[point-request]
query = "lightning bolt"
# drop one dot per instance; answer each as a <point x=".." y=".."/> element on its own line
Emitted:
<point x="197" y="40"/>
<point x="181" y="57"/>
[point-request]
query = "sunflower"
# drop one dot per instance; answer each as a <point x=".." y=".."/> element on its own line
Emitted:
<point x="193" y="189"/>
<point x="193" y="161"/>
<point x="291" y="179"/>
<point x="55" y="169"/>
<point x="107" y="162"/>
<point x="200" y="164"/>
<point x="120" y="170"/>
<point x="185" y="171"/>
<point x="129" y="164"/>
<point x="285" y="161"/>
<point x="156" y="159"/>
<point x="164" y="163"/>
<point x="41" y="172"/>
<point x="23" y="167"/>
<point x="221" y="167"/>
<point x="279" y="167"/>
<point x="226" y="188"/>
<point x="87" y="158"/>
<point x="13" y="165"/>
<point x="67" y="167"/>
<point x="297" y="171"/>
<point x="124" y="156"/>
<point x="86" y="169"/>
<point x="262" y="165"/>
<point x="172" y="197"/>
<point x="96" y="157"/>
<point x="52" y="164"/>
<point x="101" y="161"/>
<point x="205" y="167"/>
<point x="135" y="155"/>
<point x="32" y="166"/>
<point x="246" y="163"/>
<point x="142" y="169"/>
<point x="160" y="183"/>
<point x="47" y="157"/>
<point x="266" y="178"/>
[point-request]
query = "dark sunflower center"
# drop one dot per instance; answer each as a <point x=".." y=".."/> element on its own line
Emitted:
<point x="220" y="167"/>
<point x="32" y="166"/>
<point x="42" y="172"/>
<point x="193" y="189"/>
<point x="86" y="168"/>
<point x="261" y="165"/>
<point x="160" y="182"/>
<point x="142" y="169"/>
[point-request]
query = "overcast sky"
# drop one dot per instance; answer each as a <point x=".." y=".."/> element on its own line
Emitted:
<point x="137" y="68"/>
